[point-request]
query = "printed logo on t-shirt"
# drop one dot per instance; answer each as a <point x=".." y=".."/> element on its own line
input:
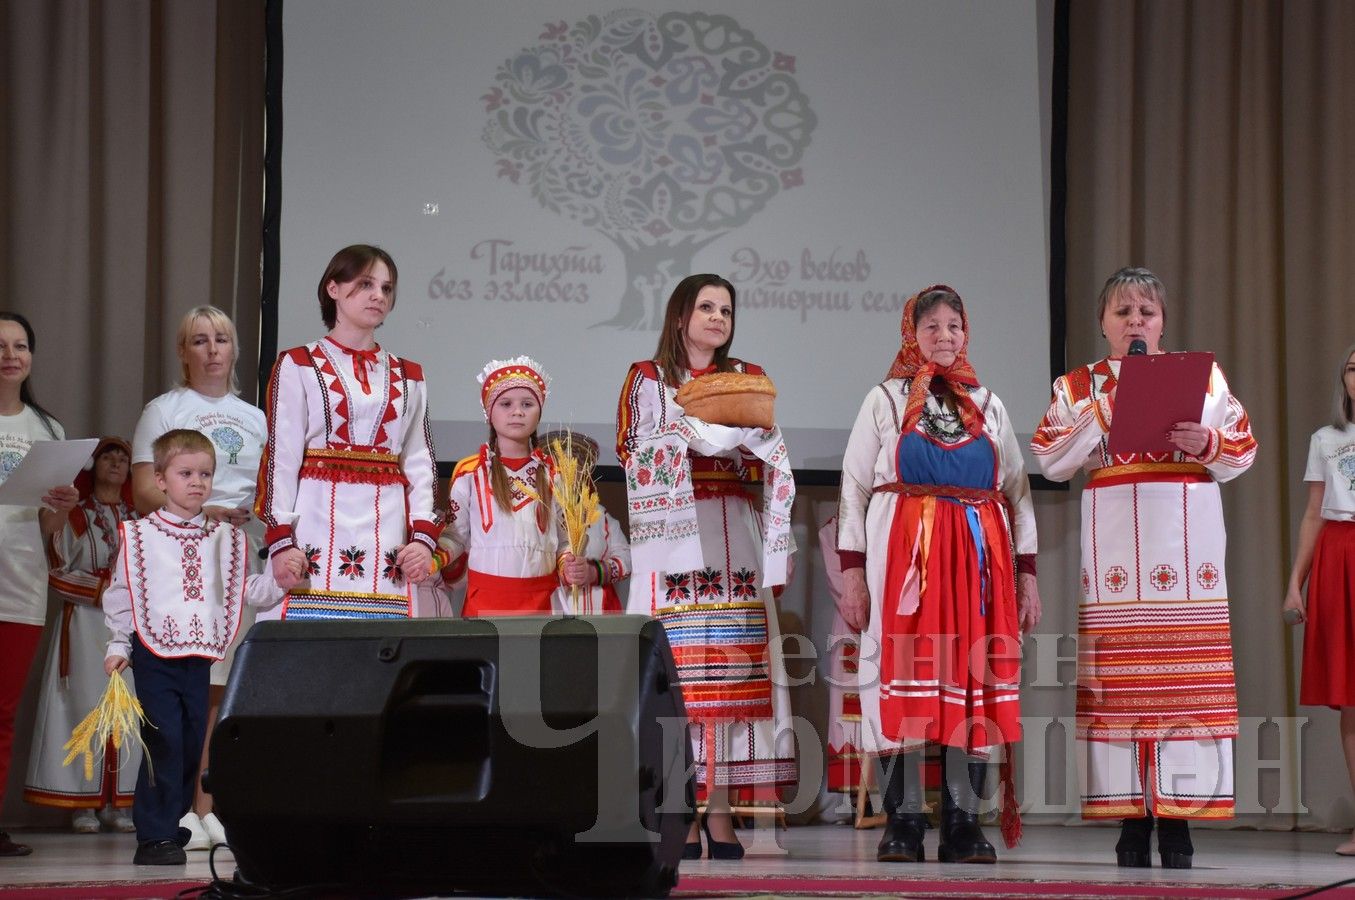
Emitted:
<point x="228" y="439"/>
<point x="9" y="461"/>
<point x="1347" y="468"/>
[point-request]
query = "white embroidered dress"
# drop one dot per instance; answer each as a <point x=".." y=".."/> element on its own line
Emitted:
<point x="348" y="477"/>
<point x="720" y="620"/>
<point x="73" y="678"/>
<point x="1155" y="669"/>
<point x="509" y="556"/>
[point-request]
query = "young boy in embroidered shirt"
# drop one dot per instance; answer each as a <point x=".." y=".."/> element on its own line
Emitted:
<point x="173" y="605"/>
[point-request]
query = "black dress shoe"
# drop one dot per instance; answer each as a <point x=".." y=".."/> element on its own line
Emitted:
<point x="691" y="850"/>
<point x="962" y="840"/>
<point x="9" y="848"/>
<point x="159" y="853"/>
<point x="1134" y="850"/>
<point x="902" y="841"/>
<point x="1174" y="844"/>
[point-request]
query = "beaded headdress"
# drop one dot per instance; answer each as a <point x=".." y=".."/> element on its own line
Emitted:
<point x="501" y="375"/>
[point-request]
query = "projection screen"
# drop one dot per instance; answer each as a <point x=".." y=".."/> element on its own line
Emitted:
<point x="544" y="174"/>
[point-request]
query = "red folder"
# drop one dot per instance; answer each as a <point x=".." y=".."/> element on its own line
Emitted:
<point x="1153" y="394"/>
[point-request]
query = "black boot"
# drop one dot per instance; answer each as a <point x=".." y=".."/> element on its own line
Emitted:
<point x="1134" y="851"/>
<point x="902" y="841"/>
<point x="1173" y="843"/>
<point x="962" y="839"/>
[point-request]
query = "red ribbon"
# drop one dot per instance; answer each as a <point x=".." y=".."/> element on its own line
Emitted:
<point x="361" y="360"/>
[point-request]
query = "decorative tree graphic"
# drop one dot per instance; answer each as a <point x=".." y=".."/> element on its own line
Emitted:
<point x="1347" y="468"/>
<point x="9" y="461"/>
<point x="228" y="439"/>
<point x="660" y="132"/>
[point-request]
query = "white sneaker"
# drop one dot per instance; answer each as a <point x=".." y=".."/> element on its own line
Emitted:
<point x="197" y="835"/>
<point x="84" y="821"/>
<point x="116" y="819"/>
<point x="216" y="832"/>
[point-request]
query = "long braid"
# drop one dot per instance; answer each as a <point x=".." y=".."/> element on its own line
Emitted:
<point x="498" y="476"/>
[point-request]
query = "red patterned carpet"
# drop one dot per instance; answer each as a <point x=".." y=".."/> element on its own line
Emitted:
<point x="698" y="886"/>
<point x="813" y="886"/>
<point x="102" y="890"/>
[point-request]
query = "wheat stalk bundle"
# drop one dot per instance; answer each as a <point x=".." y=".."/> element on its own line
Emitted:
<point x="117" y="715"/>
<point x="576" y="498"/>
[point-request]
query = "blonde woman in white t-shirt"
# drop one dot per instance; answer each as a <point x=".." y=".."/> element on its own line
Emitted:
<point x="206" y="400"/>
<point x="1325" y="560"/>
<point x="23" y="533"/>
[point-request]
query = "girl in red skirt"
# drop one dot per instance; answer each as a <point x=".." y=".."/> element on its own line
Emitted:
<point x="1325" y="559"/>
<point x="501" y="517"/>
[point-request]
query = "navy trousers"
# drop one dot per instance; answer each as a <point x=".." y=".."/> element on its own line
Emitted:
<point x="173" y="694"/>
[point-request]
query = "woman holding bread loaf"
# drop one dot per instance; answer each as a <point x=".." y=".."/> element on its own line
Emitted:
<point x="934" y="506"/>
<point x="720" y="620"/>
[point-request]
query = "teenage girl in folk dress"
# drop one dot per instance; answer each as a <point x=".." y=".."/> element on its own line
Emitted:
<point x="347" y="480"/>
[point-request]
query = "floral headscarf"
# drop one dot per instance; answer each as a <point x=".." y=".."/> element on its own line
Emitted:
<point x="910" y="363"/>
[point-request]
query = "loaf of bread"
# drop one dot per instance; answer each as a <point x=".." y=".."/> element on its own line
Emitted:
<point x="730" y="398"/>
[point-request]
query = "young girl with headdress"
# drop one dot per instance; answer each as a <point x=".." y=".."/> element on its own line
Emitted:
<point x="936" y="536"/>
<point x="501" y="518"/>
<point x="606" y="557"/>
<point x="73" y="678"/>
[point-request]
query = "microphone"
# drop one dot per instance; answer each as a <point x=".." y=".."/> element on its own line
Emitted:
<point x="1138" y="347"/>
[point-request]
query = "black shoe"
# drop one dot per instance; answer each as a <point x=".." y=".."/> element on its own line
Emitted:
<point x="962" y="839"/>
<point x="902" y="841"/>
<point x="159" y="853"/>
<point x="691" y="850"/>
<point x="9" y="848"/>
<point x="1173" y="843"/>
<point x="720" y="849"/>
<point x="1134" y="850"/>
<point x="906" y="824"/>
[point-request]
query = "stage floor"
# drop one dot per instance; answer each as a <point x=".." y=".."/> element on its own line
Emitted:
<point x="1047" y="853"/>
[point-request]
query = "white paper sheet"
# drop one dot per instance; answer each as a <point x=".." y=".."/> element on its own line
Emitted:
<point x="47" y="464"/>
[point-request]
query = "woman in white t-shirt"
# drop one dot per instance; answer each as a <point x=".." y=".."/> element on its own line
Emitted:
<point x="1325" y="559"/>
<point x="207" y="401"/>
<point x="23" y="533"/>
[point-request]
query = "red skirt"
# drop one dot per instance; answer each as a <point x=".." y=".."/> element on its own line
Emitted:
<point x="951" y="670"/>
<point x="497" y="595"/>
<point x="1329" y="639"/>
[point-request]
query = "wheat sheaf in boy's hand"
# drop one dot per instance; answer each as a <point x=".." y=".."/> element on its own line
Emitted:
<point x="117" y="715"/>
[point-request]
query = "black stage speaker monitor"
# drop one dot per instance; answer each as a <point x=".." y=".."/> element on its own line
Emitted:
<point x="507" y="756"/>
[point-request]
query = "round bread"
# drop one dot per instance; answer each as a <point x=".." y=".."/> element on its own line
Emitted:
<point x="736" y="399"/>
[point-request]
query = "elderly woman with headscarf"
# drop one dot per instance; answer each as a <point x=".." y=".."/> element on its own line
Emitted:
<point x="936" y="536"/>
